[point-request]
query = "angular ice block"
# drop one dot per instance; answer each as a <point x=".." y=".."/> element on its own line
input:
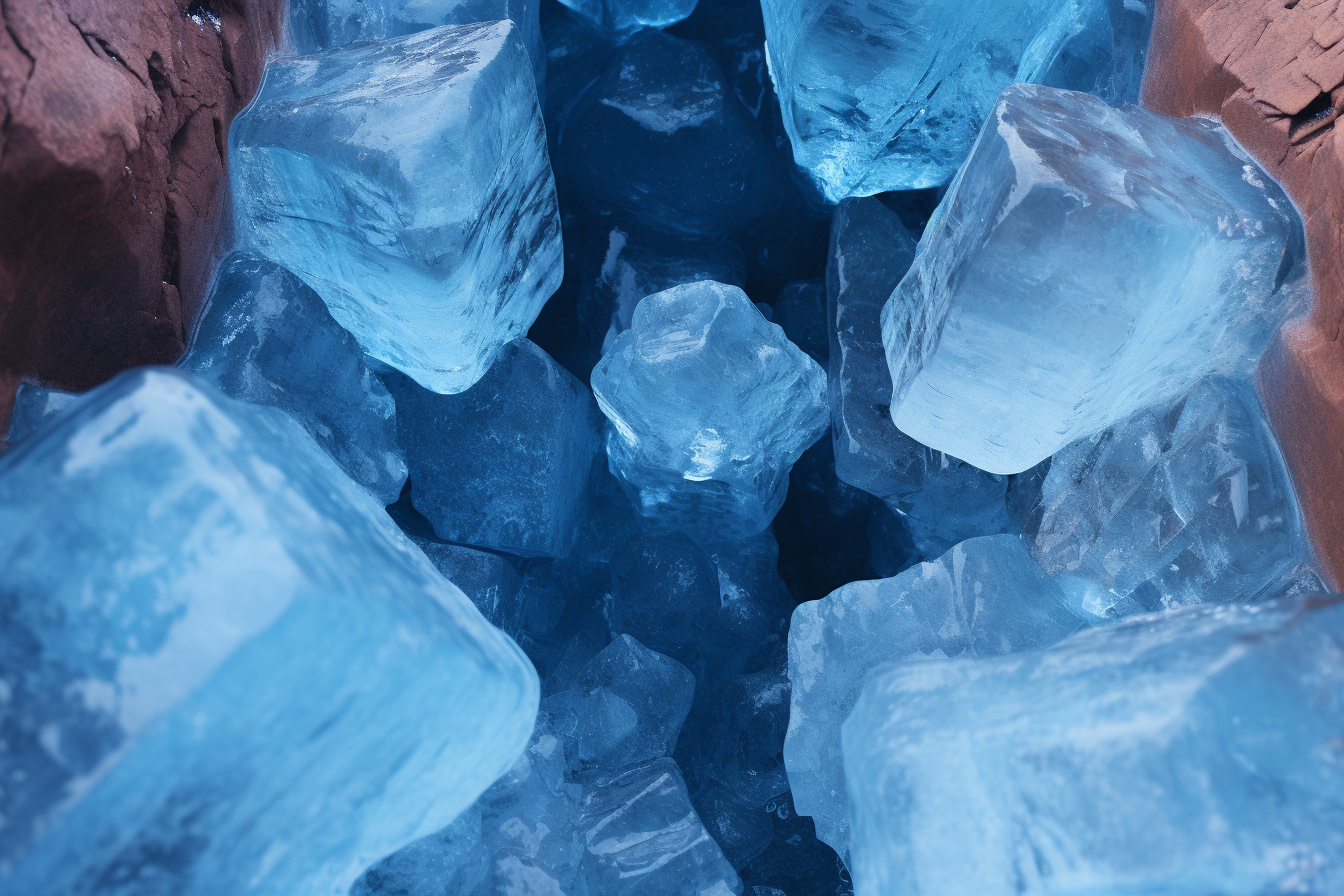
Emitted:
<point x="664" y="592"/>
<point x="266" y="338"/>
<point x="643" y="838"/>
<point x="985" y="597"/>
<point x="407" y="181"/>
<point x="225" y="670"/>
<point x="504" y="465"/>
<point x="489" y="580"/>
<point x="622" y="17"/>
<point x="1087" y="262"/>
<point x="316" y="25"/>
<point x="1194" y="752"/>
<point x="1176" y="505"/>
<point x="889" y="95"/>
<point x="708" y="406"/>
<point x="33" y="406"/>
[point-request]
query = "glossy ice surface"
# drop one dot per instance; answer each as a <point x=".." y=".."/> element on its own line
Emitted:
<point x="985" y="597"/>
<point x="266" y="338"/>
<point x="407" y="181"/>
<point x="1196" y="752"/>
<point x="708" y="406"/>
<point x="183" y="573"/>
<point x="1087" y="262"/>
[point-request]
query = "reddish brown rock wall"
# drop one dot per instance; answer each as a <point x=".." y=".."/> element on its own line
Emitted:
<point x="113" y="120"/>
<point x="1274" y="71"/>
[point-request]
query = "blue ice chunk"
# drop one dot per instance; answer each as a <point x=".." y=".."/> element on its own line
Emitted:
<point x="504" y="465"/>
<point x="800" y="310"/>
<point x="407" y="181"/>
<point x="266" y="338"/>
<point x="742" y="830"/>
<point x="870" y="252"/>
<point x="985" y="597"/>
<point x="890" y="95"/>
<point x="664" y="592"/>
<point x="184" y="576"/>
<point x="708" y="406"/>
<point x="662" y="137"/>
<point x="33" y="407"/>
<point x="1192" y="752"/>
<point x="1175" y="505"/>
<point x="628" y="708"/>
<point x="316" y="25"/>
<point x="643" y="838"/>
<point x="754" y="606"/>
<point x="622" y="17"/>
<point x="1086" y="263"/>
<point x="489" y="580"/>
<point x="735" y="736"/>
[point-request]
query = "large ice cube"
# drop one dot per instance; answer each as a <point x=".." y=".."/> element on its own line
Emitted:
<point x="985" y="597"/>
<point x="268" y="339"/>
<point x="1087" y="262"/>
<point x="224" y="669"/>
<point x="407" y="181"/>
<point x="1175" y="505"/>
<point x="889" y="95"/>
<point x="708" y="406"/>
<point x="504" y="465"/>
<point x="1194" y="752"/>
<point x="316" y="25"/>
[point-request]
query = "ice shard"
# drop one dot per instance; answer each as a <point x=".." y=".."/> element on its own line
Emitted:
<point x="407" y="181"/>
<point x="224" y="669"/>
<point x="708" y="406"/>
<point x="1190" y="752"/>
<point x="1087" y="262"/>
<point x="985" y="597"/>
<point x="889" y="95"/>
<point x="266" y="338"/>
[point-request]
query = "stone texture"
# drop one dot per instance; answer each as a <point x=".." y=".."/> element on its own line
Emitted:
<point x="113" y="118"/>
<point x="1274" y="72"/>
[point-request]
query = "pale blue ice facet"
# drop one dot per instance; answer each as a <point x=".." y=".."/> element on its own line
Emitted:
<point x="1191" y="752"/>
<point x="985" y="597"/>
<point x="224" y="669"/>
<point x="1176" y="505"/>
<point x="407" y="181"/>
<point x="266" y="338"/>
<point x="316" y="25"/>
<point x="708" y="406"/>
<point x="33" y="406"/>
<point x="1087" y="262"/>
<point x="623" y="17"/>
<point x="504" y="465"/>
<point x="890" y="95"/>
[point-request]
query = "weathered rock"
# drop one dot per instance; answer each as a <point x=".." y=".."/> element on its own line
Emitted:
<point x="1274" y="71"/>
<point x="113" y="121"/>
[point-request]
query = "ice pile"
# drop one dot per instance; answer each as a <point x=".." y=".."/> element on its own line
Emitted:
<point x="407" y="181"/>
<point x="183" y="573"/>
<point x="1085" y="263"/>
<point x="708" y="405"/>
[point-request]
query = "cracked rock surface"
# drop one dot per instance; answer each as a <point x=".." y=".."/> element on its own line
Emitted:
<point x="114" y="117"/>
<point x="1273" y="70"/>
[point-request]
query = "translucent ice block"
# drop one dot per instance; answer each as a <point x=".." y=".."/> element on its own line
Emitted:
<point x="225" y="669"/>
<point x="1191" y="752"/>
<point x="1087" y="262"/>
<point x="407" y="181"/>
<point x="708" y="406"/>
<point x="984" y="597"/>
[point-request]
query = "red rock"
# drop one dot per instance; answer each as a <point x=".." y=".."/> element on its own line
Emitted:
<point x="1274" y="71"/>
<point x="114" y="115"/>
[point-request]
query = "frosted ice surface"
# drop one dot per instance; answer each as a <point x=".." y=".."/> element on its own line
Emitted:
<point x="708" y="406"/>
<point x="407" y="181"/>
<point x="985" y="597"/>
<point x="1087" y="262"/>
<point x="1193" y="752"/>
<point x="266" y="338"/>
<point x="1175" y="505"/>
<point x="889" y="95"/>
<point x="183" y="574"/>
